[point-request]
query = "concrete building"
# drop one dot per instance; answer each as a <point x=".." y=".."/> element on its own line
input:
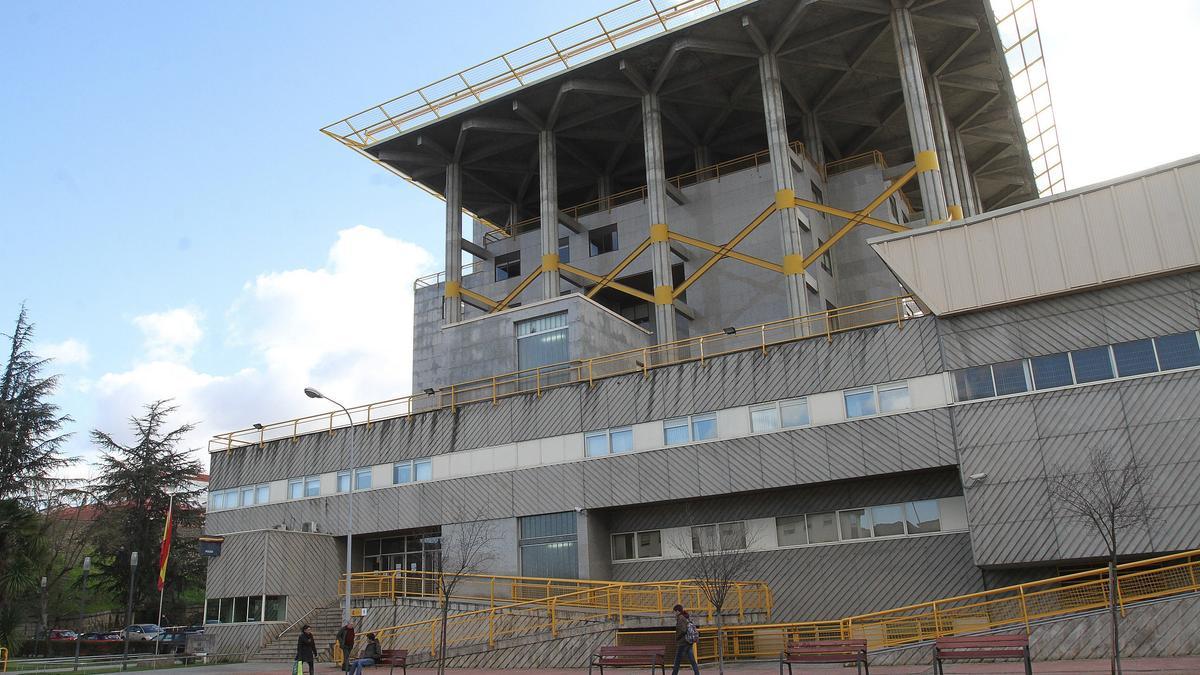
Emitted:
<point x="694" y="306"/>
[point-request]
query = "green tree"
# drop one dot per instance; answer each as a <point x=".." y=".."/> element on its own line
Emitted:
<point x="30" y="452"/>
<point x="30" y="425"/>
<point x="134" y="489"/>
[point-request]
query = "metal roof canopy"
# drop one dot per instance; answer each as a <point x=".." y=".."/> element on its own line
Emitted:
<point x="838" y="61"/>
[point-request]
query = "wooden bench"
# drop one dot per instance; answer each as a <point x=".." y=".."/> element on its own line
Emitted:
<point x="982" y="647"/>
<point x="826" y="651"/>
<point x="394" y="657"/>
<point x="629" y="656"/>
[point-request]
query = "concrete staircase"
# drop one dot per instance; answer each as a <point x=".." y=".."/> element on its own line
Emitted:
<point x="325" y="623"/>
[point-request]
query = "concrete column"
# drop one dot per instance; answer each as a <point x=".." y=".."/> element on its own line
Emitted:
<point x="701" y="157"/>
<point x="453" y="194"/>
<point x="920" y="126"/>
<point x="812" y="139"/>
<point x="656" y="200"/>
<point x="603" y="191"/>
<point x="785" y="184"/>
<point x="548" y="183"/>
<point x="941" y="137"/>
<point x="963" y="172"/>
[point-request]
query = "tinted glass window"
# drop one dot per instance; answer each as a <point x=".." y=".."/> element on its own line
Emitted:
<point x="790" y="531"/>
<point x="597" y="444"/>
<point x="1051" y="371"/>
<point x="1178" y="351"/>
<point x="764" y="418"/>
<point x="649" y="544"/>
<point x="892" y="399"/>
<point x="889" y="520"/>
<point x="312" y="486"/>
<point x="1092" y="365"/>
<point x="1010" y="378"/>
<point x="855" y="523"/>
<point x="973" y="383"/>
<point x="675" y="432"/>
<point x="423" y="469"/>
<point x="295" y="489"/>
<point x="822" y="527"/>
<point x="622" y="546"/>
<point x="860" y="403"/>
<point x="794" y="413"/>
<point x="402" y="473"/>
<point x="923" y="517"/>
<point x="1135" y="358"/>
<point x="622" y="440"/>
<point x="733" y="536"/>
<point x="704" y="428"/>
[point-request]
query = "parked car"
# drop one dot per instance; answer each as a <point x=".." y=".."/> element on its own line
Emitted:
<point x="143" y="631"/>
<point x="58" y="635"/>
<point x="108" y="635"/>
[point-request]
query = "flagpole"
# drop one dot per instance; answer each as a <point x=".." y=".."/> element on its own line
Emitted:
<point x="163" y="587"/>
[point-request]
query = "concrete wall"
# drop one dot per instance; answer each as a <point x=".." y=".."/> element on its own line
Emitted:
<point x="860" y="276"/>
<point x="484" y="346"/>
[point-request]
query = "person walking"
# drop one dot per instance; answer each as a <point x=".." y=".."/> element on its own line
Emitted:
<point x="686" y="636"/>
<point x="306" y="651"/>
<point x="345" y="640"/>
<point x="371" y="654"/>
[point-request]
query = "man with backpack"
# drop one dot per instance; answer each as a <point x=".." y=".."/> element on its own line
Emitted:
<point x="686" y="637"/>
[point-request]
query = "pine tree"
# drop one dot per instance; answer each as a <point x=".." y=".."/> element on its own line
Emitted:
<point x="134" y="489"/>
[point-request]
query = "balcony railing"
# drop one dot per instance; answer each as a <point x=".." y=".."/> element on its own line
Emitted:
<point x="760" y="337"/>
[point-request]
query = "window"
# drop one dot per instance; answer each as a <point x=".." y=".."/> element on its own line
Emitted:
<point x="1011" y="377"/>
<point x="733" y="536"/>
<point x="402" y="473"/>
<point x="1092" y="365"/>
<point x="826" y="258"/>
<point x="894" y="397"/>
<point x="542" y="341"/>
<point x="724" y="536"/>
<point x="623" y="546"/>
<point x="548" y="545"/>
<point x="764" y="417"/>
<point x="675" y="431"/>
<point x="1135" y="358"/>
<point x="423" y="468"/>
<point x="704" y="538"/>
<point x="1178" y="351"/>
<point x="973" y="383"/>
<point x="247" y="497"/>
<point x="649" y="544"/>
<point x="600" y="443"/>
<point x="262" y="494"/>
<point x="312" y="486"/>
<point x="564" y="249"/>
<point x="818" y="196"/>
<point x="362" y="478"/>
<point x="254" y="608"/>
<point x="822" y="527"/>
<point x="888" y="520"/>
<point x="276" y="608"/>
<point x="923" y="517"/>
<point x="784" y="414"/>
<point x="295" y="488"/>
<point x="343" y="481"/>
<point x="602" y="240"/>
<point x="1051" y="371"/>
<point x="246" y="609"/>
<point x="704" y="427"/>
<point x="860" y="402"/>
<point x="508" y="266"/>
<point x="790" y="531"/>
<point x="854" y="524"/>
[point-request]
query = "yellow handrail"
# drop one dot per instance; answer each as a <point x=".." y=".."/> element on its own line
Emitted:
<point x="553" y="613"/>
<point x="996" y="609"/>
<point x="823" y="324"/>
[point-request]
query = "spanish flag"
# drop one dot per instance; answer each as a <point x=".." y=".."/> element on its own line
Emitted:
<point x="165" y="550"/>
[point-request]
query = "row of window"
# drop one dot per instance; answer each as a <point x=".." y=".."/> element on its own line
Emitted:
<point x="249" y="495"/>
<point x="600" y="240"/>
<point x="246" y="609"/>
<point x="1094" y="364"/>
<point x="888" y="520"/>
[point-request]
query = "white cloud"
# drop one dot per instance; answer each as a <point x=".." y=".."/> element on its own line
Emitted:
<point x="345" y="328"/>
<point x="69" y="352"/>
<point x="171" y="335"/>
<point x="1118" y="79"/>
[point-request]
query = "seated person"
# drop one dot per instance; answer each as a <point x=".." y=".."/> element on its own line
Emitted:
<point x="370" y="655"/>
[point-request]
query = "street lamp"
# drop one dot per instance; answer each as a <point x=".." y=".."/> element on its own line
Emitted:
<point x="45" y="628"/>
<point x="313" y="393"/>
<point x="87" y="567"/>
<point x="133" y="562"/>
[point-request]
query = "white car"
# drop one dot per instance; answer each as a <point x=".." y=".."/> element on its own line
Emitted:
<point x="142" y="631"/>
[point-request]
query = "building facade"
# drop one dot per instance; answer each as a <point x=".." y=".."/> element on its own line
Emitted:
<point x="875" y="417"/>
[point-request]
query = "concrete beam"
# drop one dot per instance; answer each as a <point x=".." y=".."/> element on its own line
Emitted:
<point x="477" y="250"/>
<point x="571" y="224"/>
<point x="453" y="260"/>
<point x="675" y="194"/>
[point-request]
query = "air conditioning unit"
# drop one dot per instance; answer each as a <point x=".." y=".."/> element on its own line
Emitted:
<point x="309" y="527"/>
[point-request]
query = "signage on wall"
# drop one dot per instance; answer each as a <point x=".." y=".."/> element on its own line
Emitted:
<point x="210" y="547"/>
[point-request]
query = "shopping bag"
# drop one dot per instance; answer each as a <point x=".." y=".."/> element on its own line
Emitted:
<point x="298" y="669"/>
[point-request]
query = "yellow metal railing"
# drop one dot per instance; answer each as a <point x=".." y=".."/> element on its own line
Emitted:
<point x="597" y="602"/>
<point x="1002" y="608"/>
<point x="607" y="32"/>
<point x="759" y="337"/>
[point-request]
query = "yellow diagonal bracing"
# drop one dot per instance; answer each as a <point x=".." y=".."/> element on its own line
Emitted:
<point x="611" y="284"/>
<point x="723" y="251"/>
<point x="843" y="213"/>
<point x="608" y="278"/>
<point x="512" y="295"/>
<point x="858" y="218"/>
<point x="481" y="298"/>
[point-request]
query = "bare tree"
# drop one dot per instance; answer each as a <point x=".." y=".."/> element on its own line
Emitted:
<point x="716" y="559"/>
<point x="1111" y="498"/>
<point x="466" y="550"/>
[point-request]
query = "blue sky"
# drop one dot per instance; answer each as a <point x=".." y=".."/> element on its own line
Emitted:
<point x="178" y="226"/>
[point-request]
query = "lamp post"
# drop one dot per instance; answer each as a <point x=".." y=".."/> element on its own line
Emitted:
<point x="87" y="567"/>
<point x="313" y="393"/>
<point x="133" y="562"/>
<point x="45" y="628"/>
